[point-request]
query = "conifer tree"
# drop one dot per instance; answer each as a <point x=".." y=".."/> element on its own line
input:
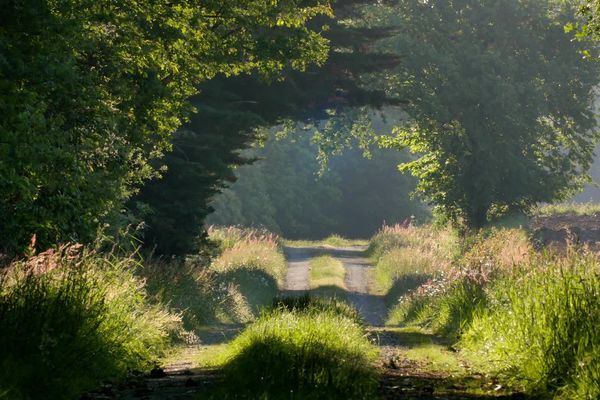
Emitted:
<point x="207" y="149"/>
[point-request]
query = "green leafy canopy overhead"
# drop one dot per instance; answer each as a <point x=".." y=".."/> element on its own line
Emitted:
<point x="92" y="90"/>
<point x="499" y="102"/>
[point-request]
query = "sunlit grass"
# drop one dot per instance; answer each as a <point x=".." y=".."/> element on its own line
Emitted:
<point x="442" y="243"/>
<point x="302" y="352"/>
<point x="72" y="318"/>
<point x="531" y="318"/>
<point x="580" y="209"/>
<point x="332" y="241"/>
<point x="327" y="271"/>
<point x="542" y="327"/>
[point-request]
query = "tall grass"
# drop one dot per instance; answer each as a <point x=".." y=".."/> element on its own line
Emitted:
<point x="407" y="257"/>
<point x="195" y="292"/>
<point x="253" y="262"/>
<point x="243" y="276"/>
<point x="441" y="242"/>
<point x="302" y="352"/>
<point x="534" y="318"/>
<point x="72" y="318"/>
<point x="543" y="327"/>
<point x="227" y="237"/>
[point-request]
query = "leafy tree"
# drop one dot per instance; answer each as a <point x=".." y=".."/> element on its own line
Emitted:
<point x="231" y="109"/>
<point x="92" y="90"/>
<point x="588" y="25"/>
<point x="499" y="102"/>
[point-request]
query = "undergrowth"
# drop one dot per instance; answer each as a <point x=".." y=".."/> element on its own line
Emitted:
<point x="532" y="317"/>
<point x="71" y="319"/>
<point x="541" y="327"/>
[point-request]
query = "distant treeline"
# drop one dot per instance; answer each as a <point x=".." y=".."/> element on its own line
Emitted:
<point x="285" y="193"/>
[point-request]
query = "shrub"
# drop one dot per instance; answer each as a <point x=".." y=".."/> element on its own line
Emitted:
<point x="71" y="319"/>
<point x="310" y="350"/>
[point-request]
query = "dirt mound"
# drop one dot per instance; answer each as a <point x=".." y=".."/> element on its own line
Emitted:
<point x="561" y="230"/>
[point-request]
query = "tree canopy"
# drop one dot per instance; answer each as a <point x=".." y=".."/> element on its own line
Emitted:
<point x="231" y="109"/>
<point x="285" y="192"/>
<point x="92" y="91"/>
<point x="499" y="102"/>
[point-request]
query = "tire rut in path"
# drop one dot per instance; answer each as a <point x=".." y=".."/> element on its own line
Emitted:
<point x="297" y="280"/>
<point x="358" y="278"/>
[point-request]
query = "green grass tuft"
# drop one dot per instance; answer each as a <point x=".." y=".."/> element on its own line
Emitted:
<point x="303" y="349"/>
<point x="317" y="304"/>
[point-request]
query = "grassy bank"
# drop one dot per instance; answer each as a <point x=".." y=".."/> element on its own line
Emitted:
<point x="529" y="317"/>
<point x="230" y="288"/>
<point x="302" y="349"/>
<point x="407" y="257"/>
<point x="72" y="318"/>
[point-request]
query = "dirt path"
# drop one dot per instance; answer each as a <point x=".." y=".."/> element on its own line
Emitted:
<point x="404" y="375"/>
<point x="297" y="280"/>
<point x="358" y="281"/>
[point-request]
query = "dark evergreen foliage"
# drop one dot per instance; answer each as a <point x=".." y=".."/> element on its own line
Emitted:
<point x="230" y="110"/>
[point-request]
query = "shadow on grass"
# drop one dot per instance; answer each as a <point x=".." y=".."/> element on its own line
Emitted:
<point x="404" y="284"/>
<point x="258" y="288"/>
<point x="218" y="334"/>
<point x="406" y="338"/>
<point x="273" y="369"/>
